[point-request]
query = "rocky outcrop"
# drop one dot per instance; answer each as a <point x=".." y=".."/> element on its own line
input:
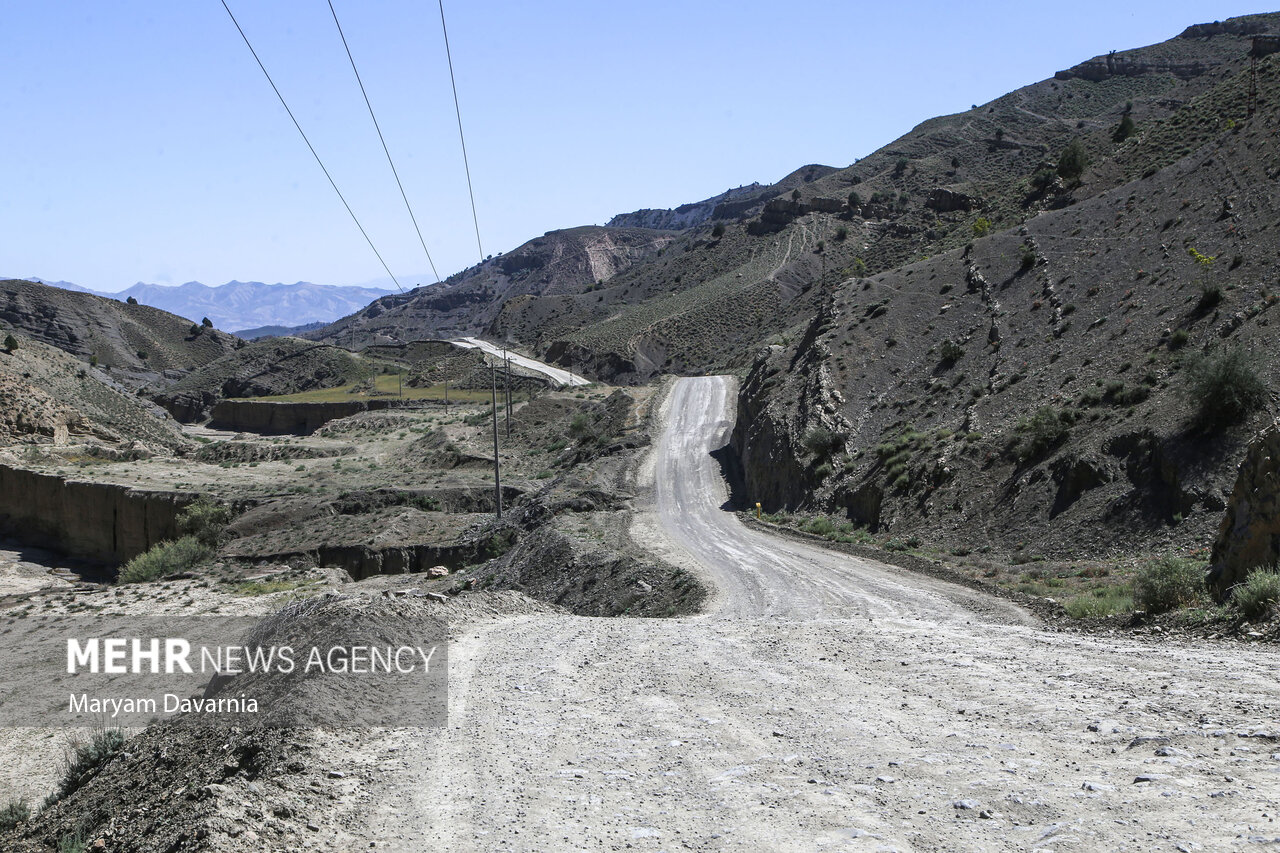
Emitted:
<point x="687" y="215"/>
<point x="1119" y="65"/>
<point x="1249" y="535"/>
<point x="94" y="521"/>
<point x="1243" y="26"/>
<point x="944" y="200"/>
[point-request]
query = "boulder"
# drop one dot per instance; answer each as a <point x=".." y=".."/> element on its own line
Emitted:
<point x="1249" y="535"/>
<point x="944" y="200"/>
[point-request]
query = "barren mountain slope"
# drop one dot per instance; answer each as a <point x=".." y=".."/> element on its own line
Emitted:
<point x="139" y="343"/>
<point x="1025" y="392"/>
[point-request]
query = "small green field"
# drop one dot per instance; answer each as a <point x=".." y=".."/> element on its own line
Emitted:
<point x="386" y="386"/>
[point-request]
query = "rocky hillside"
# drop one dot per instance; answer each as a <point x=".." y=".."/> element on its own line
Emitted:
<point x="1050" y="389"/>
<point x="49" y="397"/>
<point x="744" y="269"/>
<point x="261" y="368"/>
<point x="137" y="344"/>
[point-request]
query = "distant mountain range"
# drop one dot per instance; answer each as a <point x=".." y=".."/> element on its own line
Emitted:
<point x="241" y="305"/>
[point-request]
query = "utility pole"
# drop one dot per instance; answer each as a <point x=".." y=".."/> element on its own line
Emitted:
<point x="446" y="398"/>
<point x="497" y="473"/>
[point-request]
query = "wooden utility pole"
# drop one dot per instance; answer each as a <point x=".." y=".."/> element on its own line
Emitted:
<point x="446" y="398"/>
<point x="497" y="473"/>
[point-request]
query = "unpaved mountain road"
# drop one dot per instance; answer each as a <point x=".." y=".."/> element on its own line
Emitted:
<point x="823" y="703"/>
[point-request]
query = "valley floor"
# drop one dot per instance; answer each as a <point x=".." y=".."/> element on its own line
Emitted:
<point x="823" y="702"/>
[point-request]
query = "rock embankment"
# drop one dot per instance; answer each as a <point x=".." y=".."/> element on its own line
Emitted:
<point x="1249" y="536"/>
<point x="94" y="521"/>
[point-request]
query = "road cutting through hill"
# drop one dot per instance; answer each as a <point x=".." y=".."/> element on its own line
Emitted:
<point x="823" y="702"/>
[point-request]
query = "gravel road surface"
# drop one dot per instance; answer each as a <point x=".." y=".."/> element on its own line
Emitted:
<point x="824" y="702"/>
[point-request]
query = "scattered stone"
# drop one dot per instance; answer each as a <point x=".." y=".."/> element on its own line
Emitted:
<point x="965" y="805"/>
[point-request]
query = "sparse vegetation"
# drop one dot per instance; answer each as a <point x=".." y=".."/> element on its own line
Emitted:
<point x="1167" y="583"/>
<point x="87" y="758"/>
<point x="15" y="813"/>
<point x="1224" y="387"/>
<point x="1039" y="432"/>
<point x="1258" y="594"/>
<point x="10" y="343"/>
<point x="1073" y="162"/>
<point x="165" y="558"/>
<point x="981" y="226"/>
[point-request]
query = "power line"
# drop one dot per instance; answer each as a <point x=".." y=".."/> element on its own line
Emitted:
<point x="458" y="110"/>
<point x="332" y="183"/>
<point x="385" y="150"/>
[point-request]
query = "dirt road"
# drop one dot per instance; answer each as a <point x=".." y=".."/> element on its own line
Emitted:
<point x="825" y="703"/>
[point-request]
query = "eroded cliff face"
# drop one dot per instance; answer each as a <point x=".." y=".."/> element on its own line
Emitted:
<point x="288" y="418"/>
<point x="780" y="469"/>
<point x="94" y="521"/>
<point x="1249" y="536"/>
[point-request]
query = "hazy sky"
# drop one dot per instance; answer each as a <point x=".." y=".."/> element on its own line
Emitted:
<point x="141" y="142"/>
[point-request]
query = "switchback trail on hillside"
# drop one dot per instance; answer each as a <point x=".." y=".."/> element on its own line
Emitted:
<point x="823" y="702"/>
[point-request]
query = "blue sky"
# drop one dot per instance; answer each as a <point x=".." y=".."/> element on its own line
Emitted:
<point x="141" y="142"/>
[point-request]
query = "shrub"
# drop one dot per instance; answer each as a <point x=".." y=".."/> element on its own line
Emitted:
<point x="207" y="323"/>
<point x="1258" y="593"/>
<point x="1028" y="258"/>
<point x="87" y="758"/>
<point x="10" y="343"/>
<point x="1073" y="162"/>
<point x="1179" y="339"/>
<point x="820" y="526"/>
<point x="1167" y="583"/>
<point x="821" y="441"/>
<point x="842" y="234"/>
<point x="717" y="230"/>
<point x="1103" y="601"/>
<point x="205" y="520"/>
<point x="901" y="166"/>
<point x="180" y="555"/>
<point x="1224" y="387"/>
<point x="855" y="201"/>
<point x="1043" y="179"/>
<point x="1124" y="130"/>
<point x="951" y="351"/>
<point x="1210" y="297"/>
<point x="132" y="300"/>
<point x="13" y="814"/>
<point x="981" y="226"/>
<point x="1041" y="431"/>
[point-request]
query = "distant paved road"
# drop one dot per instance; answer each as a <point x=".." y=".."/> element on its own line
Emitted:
<point x="557" y="374"/>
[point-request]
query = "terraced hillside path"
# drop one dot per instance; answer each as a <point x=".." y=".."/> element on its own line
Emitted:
<point x="826" y="703"/>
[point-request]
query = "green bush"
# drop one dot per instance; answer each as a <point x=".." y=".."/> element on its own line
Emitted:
<point x="1224" y="387"/>
<point x="1045" y="428"/>
<point x="1178" y="339"/>
<point x="981" y="226"/>
<point x="1125" y="129"/>
<point x="1168" y="583"/>
<point x="821" y="441"/>
<point x="1043" y="179"/>
<point x="166" y="558"/>
<point x="205" y="520"/>
<point x="1073" y="162"/>
<point x="87" y="758"/>
<point x="1258" y="594"/>
<point x="10" y="343"/>
<point x="1103" y="601"/>
<point x="951" y="351"/>
<point x="15" y="813"/>
<point x="717" y="230"/>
